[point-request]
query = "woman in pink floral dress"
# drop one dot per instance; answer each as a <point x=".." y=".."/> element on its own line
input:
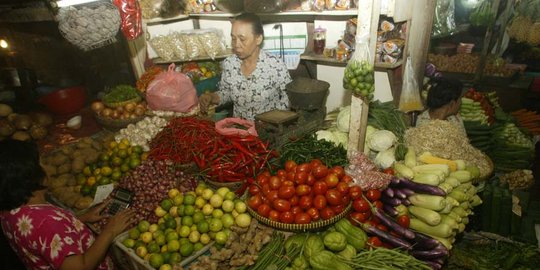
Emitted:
<point x="45" y="236"/>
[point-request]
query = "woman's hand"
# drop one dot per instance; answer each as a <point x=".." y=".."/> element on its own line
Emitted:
<point x="207" y="99"/>
<point x="120" y="222"/>
<point x="94" y="214"/>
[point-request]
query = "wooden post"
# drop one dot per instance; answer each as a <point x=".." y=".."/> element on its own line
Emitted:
<point x="368" y="19"/>
<point x="485" y="49"/>
<point x="419" y="36"/>
<point x="502" y="30"/>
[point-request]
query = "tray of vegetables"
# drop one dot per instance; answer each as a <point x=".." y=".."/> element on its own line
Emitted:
<point x="300" y="197"/>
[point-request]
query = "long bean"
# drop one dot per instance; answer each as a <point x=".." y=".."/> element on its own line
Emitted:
<point x="385" y="259"/>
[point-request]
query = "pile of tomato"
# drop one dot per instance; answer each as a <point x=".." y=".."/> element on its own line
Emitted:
<point x="301" y="193"/>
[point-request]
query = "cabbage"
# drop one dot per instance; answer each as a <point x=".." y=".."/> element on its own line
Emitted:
<point x="381" y="140"/>
<point x="342" y="138"/>
<point x="326" y="135"/>
<point x="369" y="130"/>
<point x="343" y="119"/>
<point x="385" y="159"/>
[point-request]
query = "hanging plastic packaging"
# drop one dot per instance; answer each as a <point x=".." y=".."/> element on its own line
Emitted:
<point x="262" y="6"/>
<point x="171" y="91"/>
<point x="444" y="23"/>
<point x="130" y="14"/>
<point x="359" y="73"/>
<point x="409" y="100"/>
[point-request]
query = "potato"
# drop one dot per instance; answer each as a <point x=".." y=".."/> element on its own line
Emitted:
<point x="59" y="159"/>
<point x="83" y="145"/>
<point x="67" y="150"/>
<point x="77" y="165"/>
<point x="97" y="145"/>
<point x="87" y="140"/>
<point x="91" y="157"/>
<point x="64" y="168"/>
<point x="83" y="203"/>
<point x="57" y="182"/>
<point x="50" y="170"/>
<point x="72" y="199"/>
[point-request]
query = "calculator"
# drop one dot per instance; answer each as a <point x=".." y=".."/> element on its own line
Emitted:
<point x="121" y="200"/>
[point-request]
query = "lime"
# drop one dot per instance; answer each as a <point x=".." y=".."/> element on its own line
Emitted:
<point x="143" y="226"/>
<point x="156" y="260"/>
<point x="173" y="245"/>
<point x="186" y="249"/>
<point x="184" y="231"/>
<point x="134" y="162"/>
<point x="198" y="217"/>
<point x="166" y="256"/>
<point x="203" y="226"/>
<point x="183" y="240"/>
<point x="197" y="246"/>
<point x="116" y="175"/>
<point x="181" y="210"/>
<point x="178" y="199"/>
<point x="153" y="247"/>
<point x="116" y="161"/>
<point x="128" y="242"/>
<point x="221" y="238"/>
<point x="205" y="238"/>
<point x="187" y="221"/>
<point x="189" y="199"/>
<point x="138" y="243"/>
<point x="189" y="210"/>
<point x="134" y="233"/>
<point x="87" y="171"/>
<point x="166" y="204"/>
<point x="160" y="239"/>
<point x="194" y="237"/>
<point x="215" y="225"/>
<point x="171" y="223"/>
<point x="137" y="149"/>
<point x="122" y="153"/>
<point x="104" y="181"/>
<point x="171" y="236"/>
<point x="124" y="167"/>
<point x="175" y="258"/>
<point x="81" y="179"/>
<point x="85" y="190"/>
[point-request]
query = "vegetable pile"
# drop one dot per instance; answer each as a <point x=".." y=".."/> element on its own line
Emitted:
<point x="142" y="132"/>
<point x="120" y="93"/>
<point x="365" y="173"/>
<point x="467" y="63"/>
<point x="23" y="127"/>
<point x="529" y="120"/>
<point x="518" y="179"/>
<point x="476" y="107"/>
<point x="147" y="77"/>
<point x="308" y="147"/>
<point x="512" y="148"/>
<point x="525" y="27"/>
<point x="385" y="116"/>
<point x="300" y="193"/>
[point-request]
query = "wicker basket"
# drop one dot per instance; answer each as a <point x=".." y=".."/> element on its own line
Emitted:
<point x="233" y="186"/>
<point x="116" y="124"/>
<point x="122" y="103"/>
<point x="300" y="227"/>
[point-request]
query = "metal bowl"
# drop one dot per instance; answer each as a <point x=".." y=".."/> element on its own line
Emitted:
<point x="306" y="93"/>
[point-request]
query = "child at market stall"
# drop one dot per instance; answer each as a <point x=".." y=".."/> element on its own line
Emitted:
<point x="45" y="236"/>
<point x="443" y="102"/>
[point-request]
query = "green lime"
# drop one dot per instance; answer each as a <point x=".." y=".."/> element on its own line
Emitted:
<point x="134" y="233"/>
<point x="186" y="249"/>
<point x="166" y="256"/>
<point x="104" y="181"/>
<point x="134" y="162"/>
<point x="153" y="247"/>
<point x="122" y="153"/>
<point x="203" y="226"/>
<point x="171" y="223"/>
<point x="124" y="167"/>
<point x="187" y="221"/>
<point x="116" y="175"/>
<point x="198" y="217"/>
<point x="198" y="246"/>
<point x="138" y="243"/>
<point x="175" y="258"/>
<point x="184" y="240"/>
<point x="189" y="199"/>
<point x="181" y="210"/>
<point x="156" y="260"/>
<point x="173" y="245"/>
<point x="137" y="149"/>
<point x="189" y="210"/>
<point x="166" y="204"/>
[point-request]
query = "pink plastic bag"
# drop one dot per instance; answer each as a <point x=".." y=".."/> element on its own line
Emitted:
<point x="171" y="91"/>
<point x="130" y="12"/>
<point x="229" y="127"/>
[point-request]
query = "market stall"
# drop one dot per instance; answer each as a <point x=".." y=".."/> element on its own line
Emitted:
<point x="358" y="186"/>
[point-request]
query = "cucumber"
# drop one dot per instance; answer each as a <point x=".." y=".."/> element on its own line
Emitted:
<point x="495" y="210"/>
<point x="487" y="195"/>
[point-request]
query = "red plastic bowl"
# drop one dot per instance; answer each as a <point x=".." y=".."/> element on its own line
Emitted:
<point x="65" y="101"/>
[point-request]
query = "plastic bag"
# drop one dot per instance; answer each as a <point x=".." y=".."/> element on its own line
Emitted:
<point x="171" y="91"/>
<point x="164" y="47"/>
<point x="212" y="42"/>
<point x="261" y="6"/>
<point x="318" y="5"/>
<point x="130" y="13"/>
<point x="194" y="47"/>
<point x="179" y="48"/>
<point x="444" y="23"/>
<point x="359" y="73"/>
<point x="410" y="93"/>
<point x="228" y="127"/>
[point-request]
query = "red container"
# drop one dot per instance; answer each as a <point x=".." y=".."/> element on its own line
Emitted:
<point x="65" y="101"/>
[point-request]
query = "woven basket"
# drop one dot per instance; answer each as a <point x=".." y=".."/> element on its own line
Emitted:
<point x="300" y="227"/>
<point x="116" y="124"/>
<point x="122" y="103"/>
<point x="233" y="186"/>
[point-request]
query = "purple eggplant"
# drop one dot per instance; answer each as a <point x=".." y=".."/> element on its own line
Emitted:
<point x="435" y="253"/>
<point x="406" y="202"/>
<point x="424" y="242"/>
<point x="391" y="224"/>
<point x="407" y="191"/>
<point x="433" y="265"/>
<point x="421" y="188"/>
<point x="390" y="201"/>
<point x="395" y="182"/>
<point x="387" y="237"/>
<point x="389" y="192"/>
<point x="400" y="194"/>
<point x="390" y="210"/>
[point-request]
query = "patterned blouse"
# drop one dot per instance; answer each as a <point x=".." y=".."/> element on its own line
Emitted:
<point x="262" y="91"/>
<point x="44" y="235"/>
<point x="425" y="118"/>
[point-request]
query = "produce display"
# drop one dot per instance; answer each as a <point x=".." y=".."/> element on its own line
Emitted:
<point x="187" y="222"/>
<point x="497" y="216"/>
<point x="525" y="27"/>
<point x="308" y="148"/>
<point x="121" y="107"/>
<point x="518" y="179"/>
<point x="200" y="71"/>
<point x="142" y="132"/>
<point x="512" y="148"/>
<point x="447" y="140"/>
<point x="467" y="63"/>
<point x="529" y="120"/>
<point x="65" y="171"/>
<point x="147" y="77"/>
<point x="23" y="127"/>
<point x="300" y="193"/>
<point x="475" y="107"/>
<point x="359" y="78"/>
<point x="365" y="173"/>
<point x="385" y="116"/>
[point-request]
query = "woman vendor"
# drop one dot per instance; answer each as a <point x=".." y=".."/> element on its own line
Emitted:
<point x="443" y="102"/>
<point x="252" y="79"/>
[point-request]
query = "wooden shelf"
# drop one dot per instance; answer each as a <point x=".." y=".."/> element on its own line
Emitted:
<point x="388" y="65"/>
<point x="349" y="12"/>
<point x="158" y="60"/>
<point x="160" y="20"/>
<point x="310" y="56"/>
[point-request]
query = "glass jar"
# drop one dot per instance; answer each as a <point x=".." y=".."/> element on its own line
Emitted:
<point x="319" y="40"/>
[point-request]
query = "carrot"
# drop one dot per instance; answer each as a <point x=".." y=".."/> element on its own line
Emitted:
<point x="518" y="112"/>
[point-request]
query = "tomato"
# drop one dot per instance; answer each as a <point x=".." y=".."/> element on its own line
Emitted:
<point x="302" y="190"/>
<point x="302" y="218"/>
<point x="345" y="199"/>
<point x="286" y="192"/>
<point x="315" y="162"/>
<point x="295" y="210"/>
<point x="356" y="217"/>
<point x="287" y="183"/>
<point x="347" y="179"/>
<point x="382" y="227"/>
<point x="281" y="205"/>
<point x="305" y="202"/>
<point x="355" y="192"/>
<point x="333" y="197"/>
<point x="343" y="188"/>
<point x="331" y="180"/>
<point x="290" y="176"/>
<point x="360" y="205"/>
<point x="338" y="208"/>
<point x="300" y="177"/>
<point x="265" y="188"/>
<point x="274" y="182"/>
<point x="264" y="210"/>
<point x="320" y="188"/>
<point x="374" y="221"/>
<point x="274" y="215"/>
<point x="254" y="201"/>
<point x="313" y="213"/>
<point x="282" y="178"/>
<point x="294" y="200"/>
<point x="286" y="217"/>
<point x="319" y="171"/>
<point x="327" y="213"/>
<point x="319" y="202"/>
<point x="290" y="165"/>
<point x="338" y="171"/>
<point x="304" y="167"/>
<point x="404" y="221"/>
<point x="389" y="171"/>
<point x="373" y="195"/>
<point x="266" y="173"/>
<point x="281" y="172"/>
<point x="266" y="200"/>
<point x="254" y="189"/>
<point x="273" y="195"/>
<point x="374" y="241"/>
<point x="378" y="204"/>
<point x="310" y="180"/>
<point x="262" y="179"/>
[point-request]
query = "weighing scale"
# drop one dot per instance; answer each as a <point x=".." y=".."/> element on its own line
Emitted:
<point x="308" y="110"/>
